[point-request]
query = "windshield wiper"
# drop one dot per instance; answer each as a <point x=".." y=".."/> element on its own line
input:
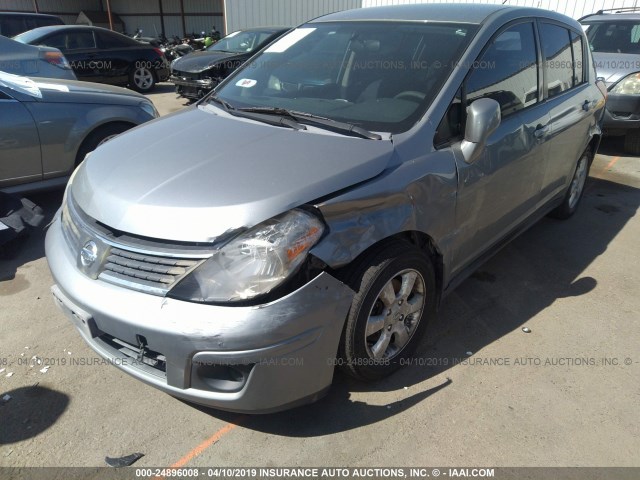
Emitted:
<point x="265" y="117"/>
<point x="341" y="127"/>
<point x="227" y="106"/>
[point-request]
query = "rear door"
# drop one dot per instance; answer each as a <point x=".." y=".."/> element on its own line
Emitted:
<point x="571" y="100"/>
<point x="20" y="159"/>
<point x="501" y="188"/>
<point x="118" y="56"/>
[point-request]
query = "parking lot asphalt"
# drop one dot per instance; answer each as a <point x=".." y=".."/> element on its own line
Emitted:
<point x="481" y="392"/>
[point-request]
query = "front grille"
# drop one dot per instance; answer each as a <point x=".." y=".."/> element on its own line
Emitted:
<point x="150" y="273"/>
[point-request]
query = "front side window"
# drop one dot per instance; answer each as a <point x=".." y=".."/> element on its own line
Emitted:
<point x="70" y="41"/>
<point x="376" y="75"/>
<point x="507" y="71"/>
<point x="556" y="46"/>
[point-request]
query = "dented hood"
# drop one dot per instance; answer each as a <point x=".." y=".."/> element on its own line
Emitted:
<point x="197" y="174"/>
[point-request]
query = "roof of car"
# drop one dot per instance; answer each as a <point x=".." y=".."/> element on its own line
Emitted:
<point x="469" y="13"/>
<point x="53" y="28"/>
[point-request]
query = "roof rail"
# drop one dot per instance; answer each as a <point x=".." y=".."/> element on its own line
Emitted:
<point x="614" y="10"/>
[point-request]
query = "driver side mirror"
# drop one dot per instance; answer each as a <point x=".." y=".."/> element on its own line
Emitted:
<point x="483" y="117"/>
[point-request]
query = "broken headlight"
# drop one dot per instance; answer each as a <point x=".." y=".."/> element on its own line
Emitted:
<point x="255" y="262"/>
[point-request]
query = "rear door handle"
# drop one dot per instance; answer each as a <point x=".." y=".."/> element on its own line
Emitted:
<point x="586" y="106"/>
<point x="541" y="131"/>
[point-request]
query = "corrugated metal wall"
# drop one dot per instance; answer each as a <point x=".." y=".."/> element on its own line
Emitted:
<point x="252" y="13"/>
<point x="66" y="9"/>
<point x="572" y="8"/>
<point x="200" y="15"/>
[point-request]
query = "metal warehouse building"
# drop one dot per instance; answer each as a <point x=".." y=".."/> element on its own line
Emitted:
<point x="179" y="17"/>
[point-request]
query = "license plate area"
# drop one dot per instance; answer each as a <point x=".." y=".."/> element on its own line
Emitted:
<point x="82" y="320"/>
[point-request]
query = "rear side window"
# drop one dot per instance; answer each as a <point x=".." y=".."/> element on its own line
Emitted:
<point x="556" y="46"/>
<point x="578" y="60"/>
<point x="108" y="40"/>
<point x="507" y="70"/>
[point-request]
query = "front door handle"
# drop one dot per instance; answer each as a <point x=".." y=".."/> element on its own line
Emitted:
<point x="586" y="106"/>
<point x="541" y="131"/>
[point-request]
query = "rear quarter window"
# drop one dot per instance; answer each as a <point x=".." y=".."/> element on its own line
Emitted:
<point x="558" y="56"/>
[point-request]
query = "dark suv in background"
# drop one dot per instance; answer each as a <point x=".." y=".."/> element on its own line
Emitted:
<point x="15" y="23"/>
<point x="614" y="39"/>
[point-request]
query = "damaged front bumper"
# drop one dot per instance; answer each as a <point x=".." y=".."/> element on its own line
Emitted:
<point x="250" y="359"/>
<point x="195" y="88"/>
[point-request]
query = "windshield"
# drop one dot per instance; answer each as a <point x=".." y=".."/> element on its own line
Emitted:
<point x="241" y="42"/>
<point x="614" y="37"/>
<point x="380" y="76"/>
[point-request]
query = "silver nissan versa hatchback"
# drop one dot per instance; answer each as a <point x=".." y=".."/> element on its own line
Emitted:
<point x="312" y="211"/>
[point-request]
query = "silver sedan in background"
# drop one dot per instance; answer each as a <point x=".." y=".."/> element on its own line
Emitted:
<point x="47" y="126"/>
<point x="33" y="61"/>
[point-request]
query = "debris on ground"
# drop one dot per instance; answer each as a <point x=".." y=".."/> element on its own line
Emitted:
<point x="10" y="374"/>
<point x="6" y="398"/>
<point x="123" y="461"/>
<point x="469" y="354"/>
<point x="526" y="330"/>
<point x="2" y="370"/>
<point x="45" y="369"/>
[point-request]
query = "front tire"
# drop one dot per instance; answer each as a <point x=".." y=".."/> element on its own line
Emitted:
<point x="574" y="194"/>
<point x="395" y="298"/>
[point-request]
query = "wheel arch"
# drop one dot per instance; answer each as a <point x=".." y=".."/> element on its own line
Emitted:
<point x="418" y="239"/>
<point x="102" y="126"/>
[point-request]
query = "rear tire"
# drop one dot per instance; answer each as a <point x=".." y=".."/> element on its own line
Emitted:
<point x="99" y="136"/>
<point x="572" y="198"/>
<point x="632" y="142"/>
<point x="142" y="79"/>
<point x="395" y="299"/>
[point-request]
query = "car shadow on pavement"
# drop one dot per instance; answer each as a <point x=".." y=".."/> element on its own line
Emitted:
<point x="543" y="265"/>
<point x="26" y="412"/>
<point x="28" y="247"/>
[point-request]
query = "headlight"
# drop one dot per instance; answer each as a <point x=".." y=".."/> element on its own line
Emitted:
<point x="255" y="262"/>
<point x="149" y="108"/>
<point x="630" y="85"/>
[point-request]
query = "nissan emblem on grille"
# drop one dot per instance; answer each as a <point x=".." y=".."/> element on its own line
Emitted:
<point x="89" y="253"/>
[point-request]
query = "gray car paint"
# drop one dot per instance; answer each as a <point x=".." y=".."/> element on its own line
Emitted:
<point x="125" y="192"/>
<point x="47" y="132"/>
<point x="28" y="60"/>
<point x="368" y="191"/>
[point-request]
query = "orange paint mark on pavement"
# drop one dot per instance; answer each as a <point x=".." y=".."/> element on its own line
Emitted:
<point x="205" y="444"/>
<point x="613" y="161"/>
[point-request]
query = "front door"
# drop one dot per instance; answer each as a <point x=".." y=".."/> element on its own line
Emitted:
<point x="501" y="188"/>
